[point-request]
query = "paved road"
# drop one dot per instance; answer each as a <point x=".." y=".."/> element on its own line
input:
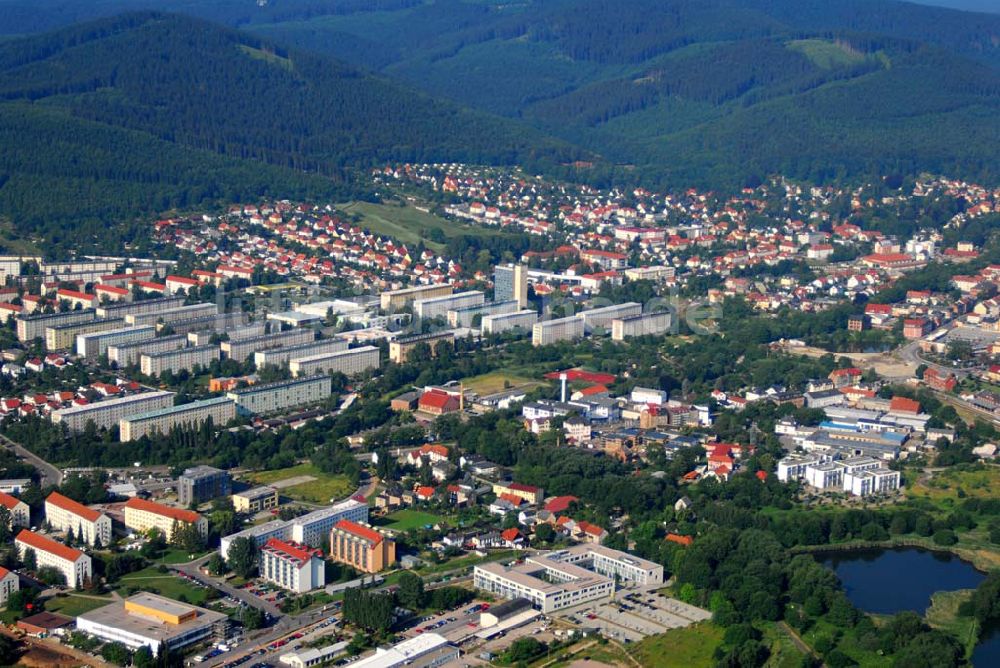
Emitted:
<point x="910" y="352"/>
<point x="49" y="474"/>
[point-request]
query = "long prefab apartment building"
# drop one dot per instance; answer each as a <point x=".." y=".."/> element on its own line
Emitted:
<point x="242" y="349"/>
<point x="106" y="414"/>
<point x="95" y="344"/>
<point x="561" y="329"/>
<point x="282" y="394"/>
<point x="280" y="356"/>
<point x="220" y="409"/>
<point x="348" y="362"/>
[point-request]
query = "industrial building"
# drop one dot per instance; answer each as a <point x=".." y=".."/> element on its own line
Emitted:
<point x="108" y="413"/>
<point x="361" y="546"/>
<point x="63" y="337"/>
<point x="565" y="578"/>
<point x="399" y="349"/>
<point x="465" y="317"/>
<point x="561" y="329"/>
<point x="93" y="345"/>
<point x="33" y="326"/>
<point x="243" y="349"/>
<point x="64" y="514"/>
<point x="127" y="354"/>
<point x="601" y="318"/>
<point x="427" y="650"/>
<point x="297" y="568"/>
<point x="641" y="325"/>
<point x="505" y="322"/>
<point x="279" y="356"/>
<point x="435" y="307"/>
<point x="202" y="483"/>
<point x="309" y="529"/>
<point x="282" y="394"/>
<point x="75" y="566"/>
<point x="142" y="515"/>
<point x="348" y="362"/>
<point x="394" y="300"/>
<point x="220" y="409"/>
<point x="149" y="620"/>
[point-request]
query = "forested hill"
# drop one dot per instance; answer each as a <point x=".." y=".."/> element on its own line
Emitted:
<point x="148" y="111"/>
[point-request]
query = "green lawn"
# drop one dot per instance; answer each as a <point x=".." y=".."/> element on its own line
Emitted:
<point x="498" y="381"/>
<point x="175" y="556"/>
<point x="166" y="584"/>
<point x="945" y="486"/>
<point x="690" y="647"/>
<point x="408" y="224"/>
<point x="321" y="490"/>
<point x="73" y="605"/>
<point x="406" y="519"/>
<point x="943" y="614"/>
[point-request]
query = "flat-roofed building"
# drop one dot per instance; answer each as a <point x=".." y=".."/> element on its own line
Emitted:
<point x="641" y="325"/>
<point x="220" y="409"/>
<point x="33" y="326"/>
<point x="348" y="362"/>
<point x="255" y="500"/>
<point x="149" y="620"/>
<point x="201" y="337"/>
<point x="178" y="359"/>
<point x="282" y="394"/>
<point x="20" y="513"/>
<point x="601" y="318"/>
<point x="63" y="337"/>
<point x="466" y="317"/>
<point x="142" y="515"/>
<point x="127" y="354"/>
<point x="309" y="529"/>
<point x="226" y="323"/>
<point x="280" y="356"/>
<point x="75" y="566"/>
<point x="427" y="650"/>
<point x="170" y="315"/>
<point x="106" y="414"/>
<point x="393" y="300"/>
<point x="361" y="546"/>
<point x="14" y="485"/>
<point x="243" y="349"/>
<point x="64" y="514"/>
<point x="95" y="344"/>
<point x="510" y="282"/>
<point x="657" y="273"/>
<point x="120" y="310"/>
<point x="561" y="329"/>
<point x="297" y="568"/>
<point x="400" y="348"/>
<point x="434" y="307"/>
<point x="202" y="483"/>
<point x="506" y="322"/>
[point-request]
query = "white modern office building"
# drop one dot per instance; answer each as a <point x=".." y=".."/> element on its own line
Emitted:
<point x="860" y="476"/>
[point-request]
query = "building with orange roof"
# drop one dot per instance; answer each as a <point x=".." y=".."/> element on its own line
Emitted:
<point x="9" y="583"/>
<point x="292" y="566"/>
<point x="904" y="405"/>
<point x="73" y="564"/>
<point x="679" y="539"/>
<point x="64" y="514"/>
<point x="20" y="513"/>
<point x="142" y="515"/>
<point x="362" y="546"/>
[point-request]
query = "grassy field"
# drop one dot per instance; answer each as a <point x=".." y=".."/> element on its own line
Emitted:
<point x="690" y="647"/>
<point x="404" y="520"/>
<point x="954" y="483"/>
<point x="943" y="614"/>
<point x="321" y="490"/>
<point x="73" y="605"/>
<point x="825" y="53"/>
<point x="784" y="652"/>
<point x="408" y="224"/>
<point x="498" y="381"/>
<point x="166" y="584"/>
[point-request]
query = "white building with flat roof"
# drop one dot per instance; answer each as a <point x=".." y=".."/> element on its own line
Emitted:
<point x="309" y="529"/>
<point x="178" y="359"/>
<point x="134" y="427"/>
<point x="391" y="300"/>
<point x="641" y="325"/>
<point x="242" y="349"/>
<point x="127" y="354"/>
<point x="279" y="356"/>
<point x="505" y="322"/>
<point x="170" y="315"/>
<point x="434" y="307"/>
<point x="601" y="318"/>
<point x="95" y="344"/>
<point x="282" y="394"/>
<point x="561" y="329"/>
<point x="348" y="362"/>
<point x="106" y="414"/>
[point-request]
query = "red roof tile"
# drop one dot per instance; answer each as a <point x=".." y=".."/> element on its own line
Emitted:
<point x="359" y="530"/>
<point x="166" y="511"/>
<point x="37" y="542"/>
<point x="68" y="504"/>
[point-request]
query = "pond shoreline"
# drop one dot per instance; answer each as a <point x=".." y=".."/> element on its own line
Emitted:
<point x="968" y="556"/>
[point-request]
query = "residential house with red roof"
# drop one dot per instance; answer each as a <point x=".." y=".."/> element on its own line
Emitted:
<point x="91" y="526"/>
<point x="142" y="515"/>
<point x="75" y="566"/>
<point x="20" y="513"/>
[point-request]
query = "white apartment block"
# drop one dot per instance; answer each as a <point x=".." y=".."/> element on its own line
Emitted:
<point x="641" y="325"/>
<point x="657" y="273"/>
<point x="561" y="329"/>
<point x="310" y="529"/>
<point x="142" y="515"/>
<point x="825" y="475"/>
<point x="63" y="337"/>
<point x="297" y="568"/>
<point x="20" y="513"/>
<point x="282" y="394"/>
<point x="87" y="524"/>
<point x="167" y="316"/>
<point x="142" y="306"/>
<point x="348" y="362"/>
<point x="242" y="349"/>
<point x="396" y="299"/>
<point x="505" y="322"/>
<point x="73" y="564"/>
<point x="465" y="317"/>
<point x="602" y="317"/>
<point x="180" y="359"/>
<point x="92" y="346"/>
<point x="426" y="309"/>
<point x="860" y="476"/>
<point x="105" y="414"/>
<point x="220" y="409"/>
<point x="127" y="354"/>
<point x="31" y="327"/>
<point x="870" y="482"/>
<point x="280" y="356"/>
<point x="9" y="583"/>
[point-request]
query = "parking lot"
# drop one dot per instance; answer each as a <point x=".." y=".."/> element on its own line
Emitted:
<point x="455" y="625"/>
<point x="635" y="615"/>
<point x="265" y="591"/>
